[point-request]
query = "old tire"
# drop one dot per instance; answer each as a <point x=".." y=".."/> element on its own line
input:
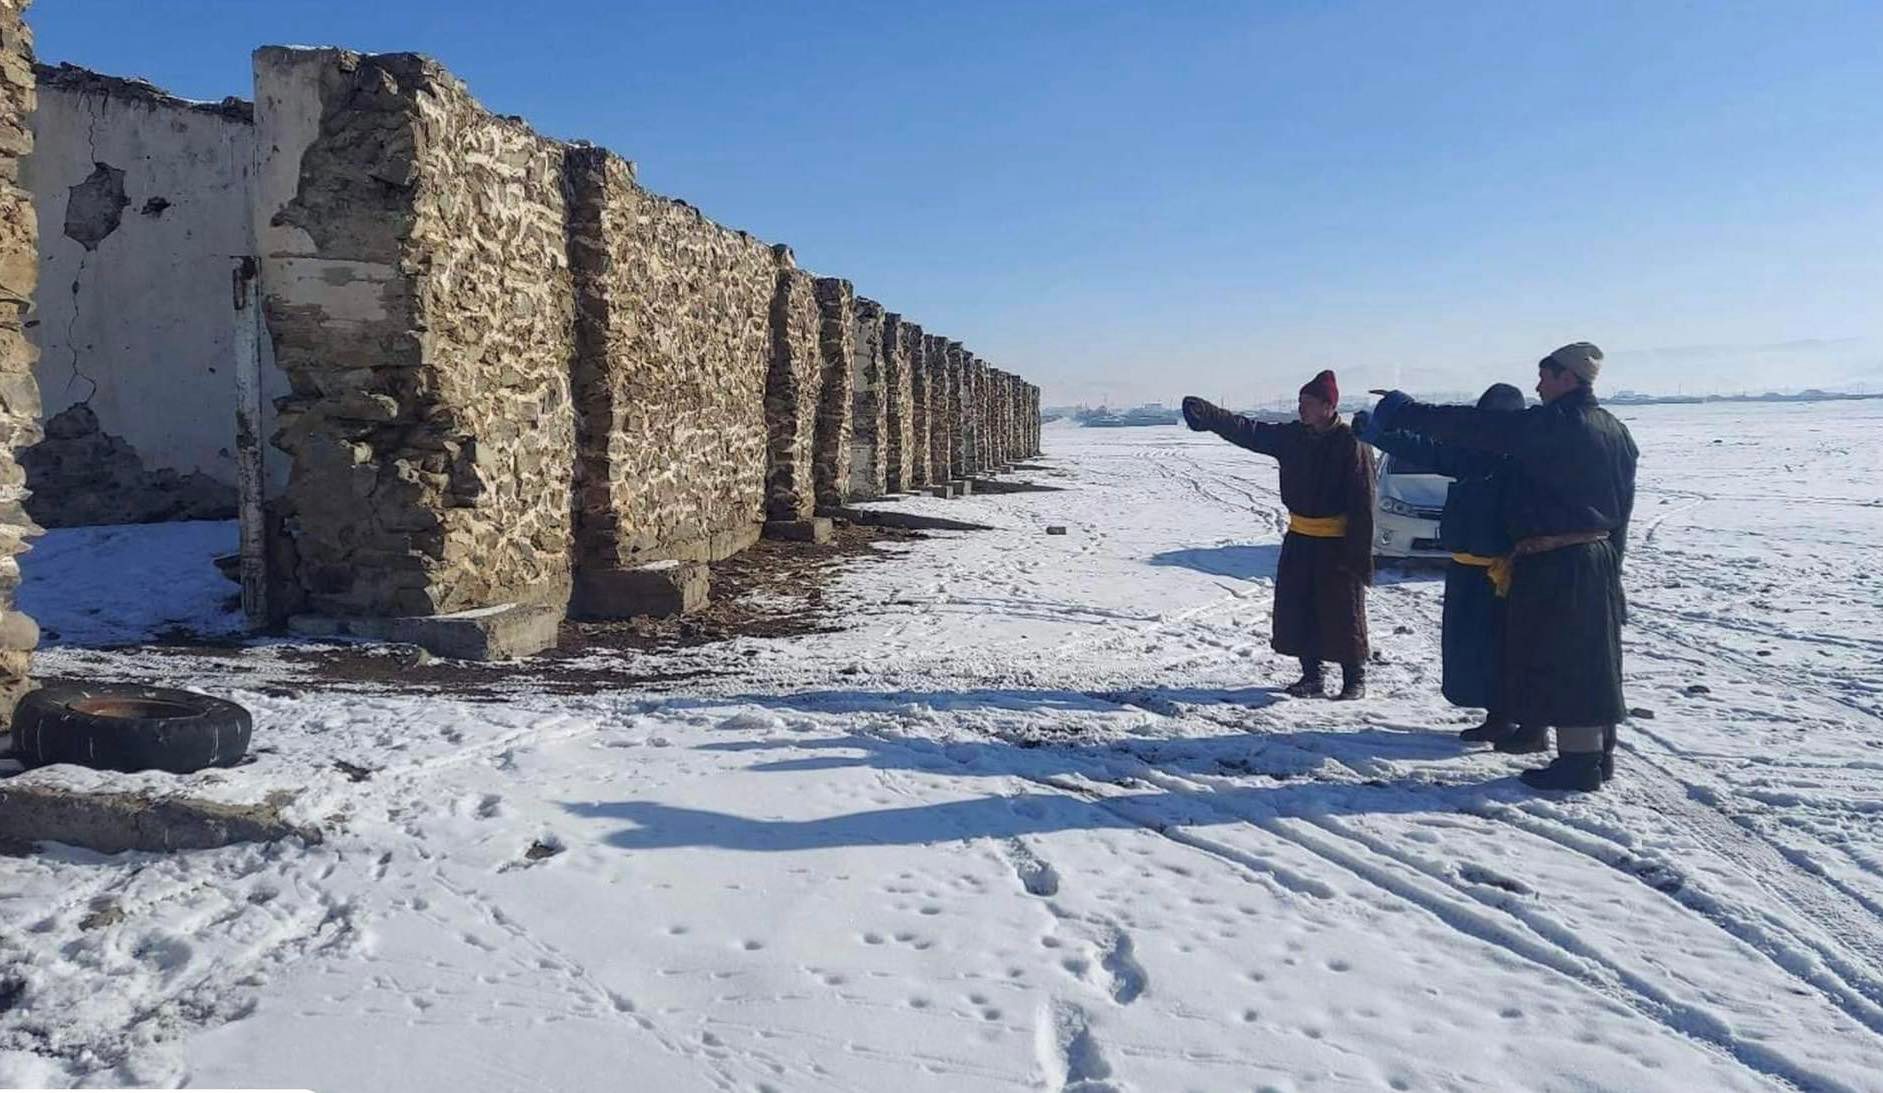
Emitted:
<point x="129" y="728"/>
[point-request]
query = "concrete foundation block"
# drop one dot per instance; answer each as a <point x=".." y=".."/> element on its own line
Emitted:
<point x="940" y="489"/>
<point x="658" y="589"/>
<point x="962" y="486"/>
<point x="817" y="529"/>
<point x="505" y="632"/>
<point x="113" y="822"/>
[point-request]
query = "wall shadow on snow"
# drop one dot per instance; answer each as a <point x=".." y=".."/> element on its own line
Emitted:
<point x="1082" y="786"/>
<point x="1161" y="700"/>
<point x="1243" y="561"/>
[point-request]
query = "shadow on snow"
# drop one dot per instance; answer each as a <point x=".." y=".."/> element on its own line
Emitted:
<point x="1111" y="785"/>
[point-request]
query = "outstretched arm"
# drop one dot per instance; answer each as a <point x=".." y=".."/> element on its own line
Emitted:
<point x="1447" y="459"/>
<point x="1257" y="436"/>
<point x="1465" y="426"/>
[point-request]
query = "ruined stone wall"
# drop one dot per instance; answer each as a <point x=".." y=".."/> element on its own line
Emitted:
<point x="912" y="395"/>
<point x="998" y="417"/>
<point x="673" y="344"/>
<point x="836" y="344"/>
<point x="145" y="197"/>
<point x="791" y="393"/>
<point x="940" y="417"/>
<point x="960" y="416"/>
<point x="418" y="292"/>
<point x="1034" y="446"/>
<point x="898" y="406"/>
<point x="19" y="394"/>
<point x="983" y="416"/>
<point x="870" y="394"/>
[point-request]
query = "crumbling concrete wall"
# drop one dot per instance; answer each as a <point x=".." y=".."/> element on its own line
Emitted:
<point x="673" y="343"/>
<point x="418" y="292"/>
<point x="791" y="393"/>
<point x="145" y="196"/>
<point x="871" y="392"/>
<point x="836" y="344"/>
<point x="19" y="394"/>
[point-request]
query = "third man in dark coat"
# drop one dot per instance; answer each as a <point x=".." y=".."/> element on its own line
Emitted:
<point x="1327" y="556"/>
<point x="1476" y="582"/>
<point x="1567" y="512"/>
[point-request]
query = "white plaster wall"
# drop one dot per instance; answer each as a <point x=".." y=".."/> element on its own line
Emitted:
<point x="147" y="316"/>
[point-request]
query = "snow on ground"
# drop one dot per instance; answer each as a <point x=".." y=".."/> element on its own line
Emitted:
<point x="1040" y="820"/>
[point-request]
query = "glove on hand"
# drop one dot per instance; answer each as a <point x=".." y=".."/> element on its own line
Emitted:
<point x="1388" y="409"/>
<point x="1194" y="411"/>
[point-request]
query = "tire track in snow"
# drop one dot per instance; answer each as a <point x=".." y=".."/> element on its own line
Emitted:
<point x="1539" y="941"/>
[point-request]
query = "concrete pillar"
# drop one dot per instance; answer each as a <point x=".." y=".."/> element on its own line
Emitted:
<point x="830" y="460"/>
<point x="871" y="392"/>
<point x="19" y="395"/>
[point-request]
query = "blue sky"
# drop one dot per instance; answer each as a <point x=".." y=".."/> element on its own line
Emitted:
<point x="1141" y="201"/>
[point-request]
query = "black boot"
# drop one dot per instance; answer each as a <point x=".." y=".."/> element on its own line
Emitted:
<point x="1495" y="727"/>
<point x="1577" y="772"/>
<point x="1608" y="753"/>
<point x="1352" y="683"/>
<point x="1311" y="684"/>
<point x="1524" y="740"/>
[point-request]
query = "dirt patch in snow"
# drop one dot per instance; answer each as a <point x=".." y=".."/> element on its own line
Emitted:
<point x="775" y="589"/>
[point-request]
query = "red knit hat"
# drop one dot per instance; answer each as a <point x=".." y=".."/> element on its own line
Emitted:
<point x="1323" y="387"/>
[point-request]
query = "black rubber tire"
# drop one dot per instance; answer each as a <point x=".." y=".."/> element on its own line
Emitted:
<point x="110" y="726"/>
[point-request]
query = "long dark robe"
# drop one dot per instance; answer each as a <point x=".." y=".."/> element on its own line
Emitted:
<point x="1574" y="471"/>
<point x="1320" y="584"/>
<point x="1473" y="640"/>
<point x="1474" y="634"/>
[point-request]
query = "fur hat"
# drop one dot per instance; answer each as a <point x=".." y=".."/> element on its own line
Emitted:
<point x="1323" y="387"/>
<point x="1581" y="359"/>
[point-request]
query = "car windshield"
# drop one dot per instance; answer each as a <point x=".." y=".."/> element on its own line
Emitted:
<point x="1396" y="465"/>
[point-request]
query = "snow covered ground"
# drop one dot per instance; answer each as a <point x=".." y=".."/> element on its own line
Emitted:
<point x="1037" y="820"/>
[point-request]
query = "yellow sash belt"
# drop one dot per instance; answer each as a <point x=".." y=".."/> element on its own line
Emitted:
<point x="1318" y="527"/>
<point x="1499" y="570"/>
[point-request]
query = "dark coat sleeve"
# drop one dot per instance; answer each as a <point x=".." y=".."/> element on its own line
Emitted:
<point x="1468" y="427"/>
<point x="1257" y="436"/>
<point x="1447" y="459"/>
<point x="1619" y="536"/>
<point x="1359" y="538"/>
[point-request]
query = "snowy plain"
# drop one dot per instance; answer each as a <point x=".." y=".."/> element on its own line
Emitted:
<point x="1037" y="819"/>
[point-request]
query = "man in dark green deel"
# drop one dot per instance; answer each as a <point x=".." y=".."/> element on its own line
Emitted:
<point x="1571" y="497"/>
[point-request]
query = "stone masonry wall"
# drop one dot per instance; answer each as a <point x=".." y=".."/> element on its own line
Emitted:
<point x="19" y="394"/>
<point x="673" y="344"/>
<point x="912" y="402"/>
<point x="791" y="393"/>
<point x="983" y="416"/>
<point x="898" y="407"/>
<point x="870" y="392"/>
<point x="940" y="416"/>
<point x="830" y="460"/>
<point x="998" y="417"/>
<point x="960" y="416"/>
<point x="419" y="297"/>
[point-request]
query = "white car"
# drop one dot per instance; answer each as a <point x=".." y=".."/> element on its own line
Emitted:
<point x="1411" y="499"/>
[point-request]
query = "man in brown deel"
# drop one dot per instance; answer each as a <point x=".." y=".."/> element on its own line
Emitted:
<point x="1327" y="555"/>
